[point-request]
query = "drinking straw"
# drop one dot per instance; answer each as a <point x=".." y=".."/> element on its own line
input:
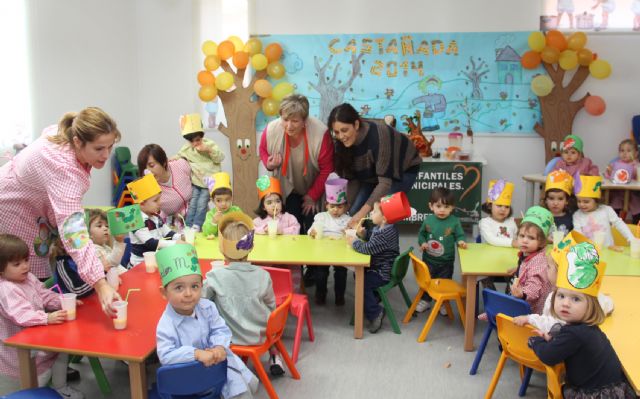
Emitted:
<point x="126" y="299"/>
<point x="57" y="286"/>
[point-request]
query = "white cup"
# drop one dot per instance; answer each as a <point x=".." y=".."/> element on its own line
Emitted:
<point x="319" y="232"/>
<point x="150" y="261"/>
<point x="557" y="237"/>
<point x="189" y="235"/>
<point x="216" y="264"/>
<point x="272" y="228"/>
<point x="599" y="237"/>
<point x="350" y="233"/>
<point x="69" y="304"/>
<point x="634" y="249"/>
<point x="112" y="278"/>
<point x="120" y="322"/>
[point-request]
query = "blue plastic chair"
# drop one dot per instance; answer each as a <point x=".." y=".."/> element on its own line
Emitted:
<point x="34" y="393"/>
<point x="494" y="303"/>
<point x="189" y="380"/>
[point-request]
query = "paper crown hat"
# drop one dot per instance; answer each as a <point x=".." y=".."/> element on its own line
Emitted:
<point x="539" y="216"/>
<point x="124" y="220"/>
<point x="144" y="188"/>
<point x="235" y="249"/>
<point x="579" y="265"/>
<point x="561" y="180"/>
<point x="218" y="180"/>
<point x="395" y="207"/>
<point x="190" y="123"/>
<point x="267" y="185"/>
<point x="336" y="191"/>
<point x="176" y="261"/>
<point x="572" y="141"/>
<point x="500" y="192"/>
<point x="588" y="186"/>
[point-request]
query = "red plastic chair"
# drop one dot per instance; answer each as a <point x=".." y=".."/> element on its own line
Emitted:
<point x="275" y="327"/>
<point x="282" y="288"/>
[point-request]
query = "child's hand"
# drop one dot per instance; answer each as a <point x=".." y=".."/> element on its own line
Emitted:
<point x="181" y="241"/>
<point x="312" y="233"/>
<point x="424" y="247"/>
<point x="219" y="354"/>
<point x="616" y="248"/>
<point x="462" y="244"/>
<point x="516" y="290"/>
<point x="544" y="335"/>
<point x="211" y="237"/>
<point x="79" y="302"/>
<point x="217" y="217"/>
<point x="119" y="237"/>
<point x="511" y="271"/>
<point x="520" y="320"/>
<point x="608" y="171"/>
<point x="57" y="317"/>
<point x="361" y="231"/>
<point x="350" y="240"/>
<point x="205" y="357"/>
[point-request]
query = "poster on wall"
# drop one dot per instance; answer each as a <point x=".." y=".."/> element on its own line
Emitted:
<point x="456" y="80"/>
<point x="591" y="15"/>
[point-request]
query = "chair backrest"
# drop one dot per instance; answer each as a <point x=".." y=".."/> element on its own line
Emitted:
<point x="550" y="165"/>
<point x="619" y="240"/>
<point x="400" y="266"/>
<point x="421" y="271"/>
<point x="281" y="281"/>
<point x="193" y="379"/>
<point x="278" y="321"/>
<point x="497" y="302"/>
<point x="123" y="155"/>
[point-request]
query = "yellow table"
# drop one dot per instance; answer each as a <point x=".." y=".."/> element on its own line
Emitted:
<point x="487" y="260"/>
<point x="622" y="326"/>
<point x="301" y="250"/>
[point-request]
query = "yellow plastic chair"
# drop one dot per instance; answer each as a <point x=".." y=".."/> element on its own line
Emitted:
<point x="442" y="290"/>
<point x="514" y="340"/>
<point x="619" y="240"/>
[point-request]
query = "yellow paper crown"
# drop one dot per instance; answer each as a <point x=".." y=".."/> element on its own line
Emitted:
<point x="235" y="249"/>
<point x="218" y="180"/>
<point x="579" y="266"/>
<point x="500" y="192"/>
<point x="588" y="186"/>
<point x="144" y="188"/>
<point x="190" y="123"/>
<point x="561" y="180"/>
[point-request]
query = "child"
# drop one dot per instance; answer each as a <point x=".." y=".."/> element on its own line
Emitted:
<point x="566" y="6"/>
<point x="270" y="208"/>
<point x="204" y="157"/>
<point x="573" y="160"/>
<point x="559" y="200"/>
<point x="499" y="228"/>
<point x="222" y="196"/>
<point x="241" y="291"/>
<point x="607" y="7"/>
<point x="382" y="243"/>
<point x="332" y="224"/>
<point x="439" y="234"/>
<point x="623" y="170"/>
<point x="146" y="192"/>
<point x="545" y="321"/>
<point x="594" y="219"/>
<point x="635" y="7"/>
<point x="593" y="369"/>
<point x="190" y="327"/>
<point x="23" y="303"/>
<point x="108" y="249"/>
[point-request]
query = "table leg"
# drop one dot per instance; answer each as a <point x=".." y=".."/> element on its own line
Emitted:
<point x="530" y="187"/>
<point x="606" y="197"/>
<point x="359" y="303"/>
<point x="470" y="313"/>
<point x="28" y="375"/>
<point x="138" y="380"/>
<point x="625" y="204"/>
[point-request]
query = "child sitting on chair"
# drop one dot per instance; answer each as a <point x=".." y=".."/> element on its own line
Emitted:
<point x="573" y="160"/>
<point x="622" y="171"/>
<point x="332" y="224"/>
<point x="191" y="327"/>
<point x="241" y="285"/>
<point x="222" y="197"/>
<point x="559" y="200"/>
<point x="499" y="228"/>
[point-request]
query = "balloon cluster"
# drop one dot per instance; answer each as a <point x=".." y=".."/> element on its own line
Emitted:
<point x="241" y="55"/>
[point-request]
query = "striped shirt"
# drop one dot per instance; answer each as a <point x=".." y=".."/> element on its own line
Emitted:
<point x="150" y="238"/>
<point x="383" y="246"/>
<point x="67" y="277"/>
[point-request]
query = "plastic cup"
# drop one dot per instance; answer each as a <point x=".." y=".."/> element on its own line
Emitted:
<point x="634" y="250"/>
<point x="190" y="235"/>
<point x="69" y="304"/>
<point x="319" y="232"/>
<point x="120" y="322"/>
<point x="272" y="228"/>
<point x="557" y="237"/>
<point x="150" y="261"/>
<point x="216" y="264"/>
<point x="599" y="237"/>
<point x="112" y="278"/>
<point x="350" y="233"/>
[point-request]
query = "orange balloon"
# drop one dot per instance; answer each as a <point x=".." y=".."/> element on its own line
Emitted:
<point x="207" y="93"/>
<point x="550" y="55"/>
<point x="206" y="78"/>
<point x="263" y="88"/>
<point x="226" y="50"/>
<point x="595" y="105"/>
<point x="585" y="56"/>
<point x="212" y="62"/>
<point x="530" y="59"/>
<point x="273" y="52"/>
<point x="241" y="59"/>
<point x="556" y="40"/>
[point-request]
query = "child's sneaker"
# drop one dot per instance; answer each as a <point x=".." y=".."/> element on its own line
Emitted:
<point x="70" y="393"/>
<point x="376" y="324"/>
<point x="423" y="306"/>
<point x="276" y="369"/>
<point x="443" y="311"/>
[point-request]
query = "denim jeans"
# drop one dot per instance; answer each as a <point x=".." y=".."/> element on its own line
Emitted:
<point x="408" y="178"/>
<point x="372" y="308"/>
<point x="198" y="206"/>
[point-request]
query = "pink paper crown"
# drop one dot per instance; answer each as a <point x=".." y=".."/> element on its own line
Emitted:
<point x="336" y="191"/>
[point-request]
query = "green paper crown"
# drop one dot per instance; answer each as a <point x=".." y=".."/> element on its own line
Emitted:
<point x="124" y="220"/>
<point x="539" y="216"/>
<point x="177" y="261"/>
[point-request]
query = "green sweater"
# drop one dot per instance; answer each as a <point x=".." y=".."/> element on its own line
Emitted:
<point x="441" y="235"/>
<point x="202" y="163"/>
<point x="210" y="228"/>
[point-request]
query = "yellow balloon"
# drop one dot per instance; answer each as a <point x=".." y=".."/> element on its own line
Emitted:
<point x="224" y="81"/>
<point x="276" y="70"/>
<point x="568" y="60"/>
<point x="541" y="85"/>
<point x="207" y="93"/>
<point x="270" y="107"/>
<point x="263" y="88"/>
<point x="253" y="46"/>
<point x="259" y="62"/>
<point x="577" y="40"/>
<point x="237" y="42"/>
<point x="209" y="48"/>
<point x="536" y="41"/>
<point x="600" y="69"/>
<point x="212" y="62"/>
<point x="281" y="90"/>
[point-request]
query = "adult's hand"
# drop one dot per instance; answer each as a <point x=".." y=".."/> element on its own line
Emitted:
<point x="309" y="206"/>
<point x="107" y="295"/>
<point x="274" y="161"/>
<point x="362" y="213"/>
